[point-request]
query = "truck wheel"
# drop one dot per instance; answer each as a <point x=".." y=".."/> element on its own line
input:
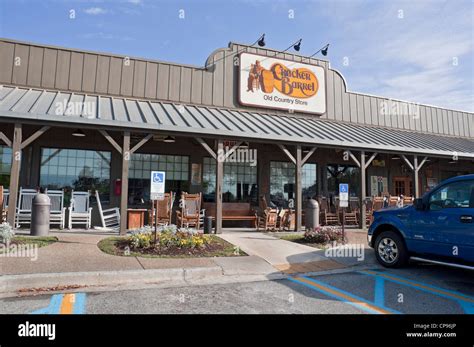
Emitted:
<point x="390" y="250"/>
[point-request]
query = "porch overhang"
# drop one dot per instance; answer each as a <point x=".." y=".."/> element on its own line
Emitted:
<point x="119" y="113"/>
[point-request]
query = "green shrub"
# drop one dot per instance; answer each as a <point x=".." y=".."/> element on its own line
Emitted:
<point x="6" y="233"/>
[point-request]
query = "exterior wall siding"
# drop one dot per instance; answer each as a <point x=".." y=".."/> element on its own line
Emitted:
<point x="64" y="69"/>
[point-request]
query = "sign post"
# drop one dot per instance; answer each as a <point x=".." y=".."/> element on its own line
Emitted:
<point x="343" y="203"/>
<point x="157" y="192"/>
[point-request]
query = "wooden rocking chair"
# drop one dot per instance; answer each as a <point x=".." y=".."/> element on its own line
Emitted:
<point x="190" y="214"/>
<point x="165" y="209"/>
<point x="268" y="220"/>
<point x="325" y="215"/>
<point x="351" y="216"/>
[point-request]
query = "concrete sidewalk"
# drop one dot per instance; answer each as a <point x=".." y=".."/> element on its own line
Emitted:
<point x="292" y="257"/>
<point x="75" y="260"/>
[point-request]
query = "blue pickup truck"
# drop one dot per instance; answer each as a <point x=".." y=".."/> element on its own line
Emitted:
<point x="437" y="228"/>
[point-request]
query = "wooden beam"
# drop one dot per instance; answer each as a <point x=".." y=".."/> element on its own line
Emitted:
<point x="299" y="189"/>
<point x="111" y="140"/>
<point x="410" y="165"/>
<point x="353" y="157"/>
<point x="370" y="160"/>
<point x="287" y="152"/>
<point x="422" y="163"/>
<point x="206" y="147"/>
<point x="33" y="137"/>
<point x="232" y="150"/>
<point x="219" y="180"/>
<point x="124" y="196"/>
<point x="141" y="143"/>
<point x="5" y="139"/>
<point x="308" y="155"/>
<point x="14" y="173"/>
<point x="363" y="171"/>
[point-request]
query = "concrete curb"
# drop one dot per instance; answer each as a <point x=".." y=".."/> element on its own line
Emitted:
<point x="32" y="284"/>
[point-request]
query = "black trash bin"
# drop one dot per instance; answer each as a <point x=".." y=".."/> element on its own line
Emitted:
<point x="207" y="225"/>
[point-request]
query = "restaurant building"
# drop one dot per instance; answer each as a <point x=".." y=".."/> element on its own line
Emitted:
<point x="250" y="122"/>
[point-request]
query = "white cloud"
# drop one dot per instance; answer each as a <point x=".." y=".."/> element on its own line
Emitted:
<point x="94" y="11"/>
<point x="411" y="58"/>
<point x="135" y="2"/>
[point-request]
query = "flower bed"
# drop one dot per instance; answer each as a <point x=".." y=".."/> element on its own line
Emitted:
<point x="319" y="237"/>
<point x="170" y="242"/>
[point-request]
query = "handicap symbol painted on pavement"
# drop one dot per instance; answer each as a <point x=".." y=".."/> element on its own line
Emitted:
<point x="72" y="303"/>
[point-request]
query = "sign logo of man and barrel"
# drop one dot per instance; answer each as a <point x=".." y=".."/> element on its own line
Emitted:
<point x="276" y="83"/>
<point x="298" y="83"/>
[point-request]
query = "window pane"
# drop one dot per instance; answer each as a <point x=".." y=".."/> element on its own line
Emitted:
<point x="139" y="181"/>
<point x="80" y="170"/>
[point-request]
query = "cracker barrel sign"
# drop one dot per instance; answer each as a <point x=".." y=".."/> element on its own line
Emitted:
<point x="282" y="84"/>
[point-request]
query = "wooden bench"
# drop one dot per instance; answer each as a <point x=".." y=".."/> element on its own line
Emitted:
<point x="232" y="211"/>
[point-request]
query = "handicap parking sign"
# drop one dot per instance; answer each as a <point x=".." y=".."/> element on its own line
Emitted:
<point x="343" y="194"/>
<point x="157" y="185"/>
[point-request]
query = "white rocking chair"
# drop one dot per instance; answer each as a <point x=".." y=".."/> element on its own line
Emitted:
<point x="57" y="213"/>
<point x="79" y="211"/>
<point x="110" y="218"/>
<point x="23" y="209"/>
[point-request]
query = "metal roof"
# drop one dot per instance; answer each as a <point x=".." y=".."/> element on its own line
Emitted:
<point x="133" y="114"/>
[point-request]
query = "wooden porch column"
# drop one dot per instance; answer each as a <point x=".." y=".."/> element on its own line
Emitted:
<point x="416" y="171"/>
<point x="14" y="173"/>
<point x="124" y="196"/>
<point x="363" y="192"/>
<point x="299" y="191"/>
<point x="299" y="161"/>
<point x="415" y="167"/>
<point x="363" y="164"/>
<point x="219" y="179"/>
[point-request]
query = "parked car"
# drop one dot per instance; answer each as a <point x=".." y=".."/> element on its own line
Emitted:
<point x="437" y="228"/>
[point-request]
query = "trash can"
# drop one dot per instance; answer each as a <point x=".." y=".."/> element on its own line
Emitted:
<point x="207" y="225"/>
<point x="40" y="210"/>
<point x="311" y="214"/>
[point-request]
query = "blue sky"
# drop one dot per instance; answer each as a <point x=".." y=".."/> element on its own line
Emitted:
<point x="419" y="50"/>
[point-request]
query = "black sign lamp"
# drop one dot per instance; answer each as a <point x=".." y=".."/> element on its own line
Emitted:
<point x="297" y="45"/>
<point x="261" y="41"/>
<point x="324" y="51"/>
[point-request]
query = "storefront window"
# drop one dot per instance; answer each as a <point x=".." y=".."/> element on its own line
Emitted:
<point x="141" y="165"/>
<point x="343" y="174"/>
<point x="282" y="182"/>
<point x="239" y="184"/>
<point x="5" y="165"/>
<point x="76" y="169"/>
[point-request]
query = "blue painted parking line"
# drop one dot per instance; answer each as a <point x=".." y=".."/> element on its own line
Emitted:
<point x="80" y="304"/>
<point x="466" y="301"/>
<point x="379" y="292"/>
<point x="342" y="295"/>
<point x="74" y="303"/>
<point x="53" y="307"/>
